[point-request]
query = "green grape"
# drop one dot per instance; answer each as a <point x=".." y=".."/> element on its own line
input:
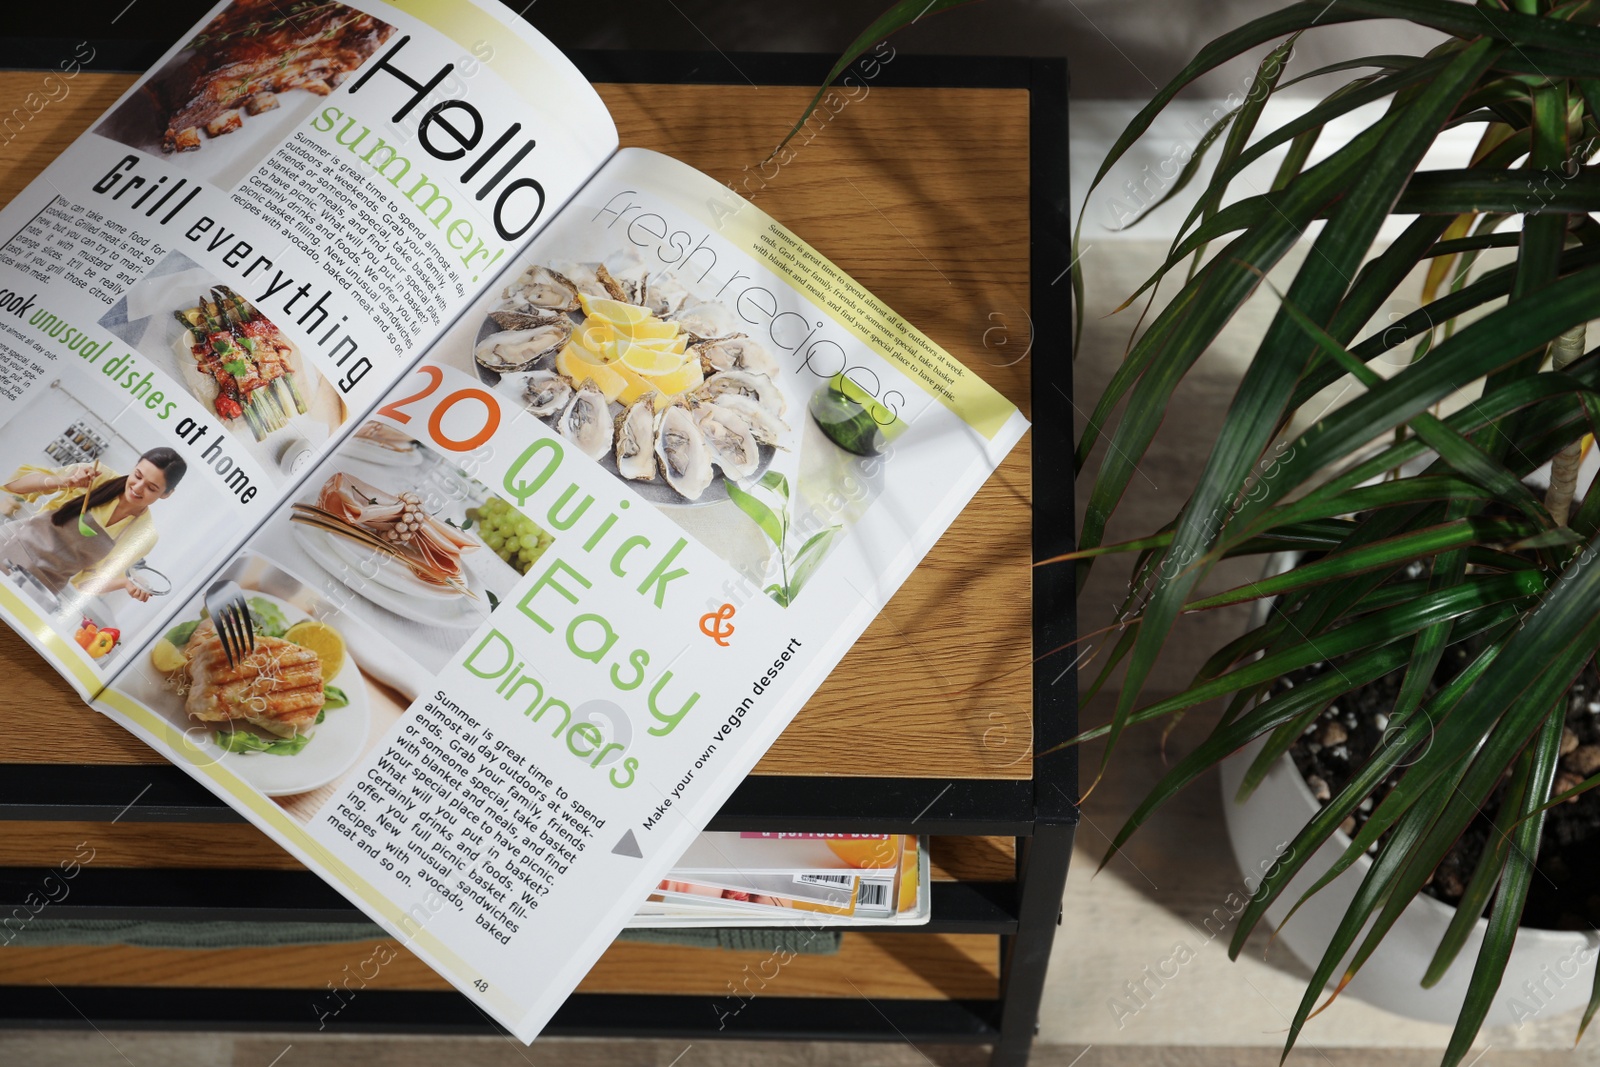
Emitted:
<point x="494" y="540"/>
<point x="529" y="540"/>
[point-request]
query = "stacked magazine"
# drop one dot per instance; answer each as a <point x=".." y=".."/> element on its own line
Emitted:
<point x="792" y="879"/>
<point x="467" y="502"/>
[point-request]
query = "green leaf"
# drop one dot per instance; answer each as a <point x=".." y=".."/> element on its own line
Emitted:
<point x="334" y="697"/>
<point x="1525" y="192"/>
<point x="269" y="619"/>
<point x="1537" y="663"/>
<point x="1376" y="629"/>
<point x="1485" y="876"/>
<point x="810" y="557"/>
<point x="1487" y="288"/>
<point x="1506" y="914"/>
<point x="762" y="515"/>
<point x="1555" y="537"/>
<point x="1540" y="390"/>
<point x="1454" y="449"/>
<point x="1471" y="21"/>
<point x="1417" y="544"/>
<point x="1386" y="865"/>
<point x="1302" y="132"/>
<point x="775" y="481"/>
<point x="1258" y="31"/>
<point x="1188" y="325"/>
<point x="1244" y="124"/>
<point x="1267" y="714"/>
<point x="179" y="635"/>
<point x="1589" y="1010"/>
<point x="1399" y="741"/>
<point x="241" y="741"/>
<point x="1493" y="341"/>
<point x="1463" y="802"/>
<point x="897" y="17"/>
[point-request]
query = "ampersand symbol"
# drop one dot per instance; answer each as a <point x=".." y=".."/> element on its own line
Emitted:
<point x="714" y="624"/>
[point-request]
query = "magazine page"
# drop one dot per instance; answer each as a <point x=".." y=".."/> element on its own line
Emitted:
<point x="518" y="638"/>
<point x="235" y="262"/>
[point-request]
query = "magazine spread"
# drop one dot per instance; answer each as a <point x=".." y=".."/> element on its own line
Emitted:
<point x="466" y="501"/>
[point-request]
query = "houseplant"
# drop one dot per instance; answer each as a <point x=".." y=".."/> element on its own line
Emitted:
<point x="1423" y="538"/>
<point x="1507" y="576"/>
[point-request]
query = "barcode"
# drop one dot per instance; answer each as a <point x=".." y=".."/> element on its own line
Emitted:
<point x="841" y="880"/>
<point x="873" y="895"/>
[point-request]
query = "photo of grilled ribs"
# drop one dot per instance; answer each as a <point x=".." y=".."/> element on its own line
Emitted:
<point x="250" y="53"/>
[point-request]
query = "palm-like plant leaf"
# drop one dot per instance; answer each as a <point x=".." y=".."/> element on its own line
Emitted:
<point x="1383" y="481"/>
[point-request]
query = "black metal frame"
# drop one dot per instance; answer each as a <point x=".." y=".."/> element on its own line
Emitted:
<point x="1040" y="813"/>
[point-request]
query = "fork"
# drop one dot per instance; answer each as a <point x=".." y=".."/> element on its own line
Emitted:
<point x="235" y="629"/>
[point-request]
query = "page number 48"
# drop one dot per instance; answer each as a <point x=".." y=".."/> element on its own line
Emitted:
<point x="480" y="985"/>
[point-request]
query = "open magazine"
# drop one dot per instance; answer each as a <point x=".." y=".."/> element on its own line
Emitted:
<point x="467" y="502"/>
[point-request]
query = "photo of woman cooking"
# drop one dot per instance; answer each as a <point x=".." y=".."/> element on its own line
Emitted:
<point x="98" y="521"/>
<point x="94" y="526"/>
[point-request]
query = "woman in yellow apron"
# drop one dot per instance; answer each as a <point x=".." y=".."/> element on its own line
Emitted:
<point x="92" y="543"/>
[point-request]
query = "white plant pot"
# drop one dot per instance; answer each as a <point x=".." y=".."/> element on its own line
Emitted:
<point x="1549" y="971"/>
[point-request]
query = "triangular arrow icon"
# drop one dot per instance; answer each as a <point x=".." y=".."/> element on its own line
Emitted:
<point x="628" y="846"/>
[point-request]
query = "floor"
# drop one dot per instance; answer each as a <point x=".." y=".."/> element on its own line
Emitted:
<point x="121" y="1049"/>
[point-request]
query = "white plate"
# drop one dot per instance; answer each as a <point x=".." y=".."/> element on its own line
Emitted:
<point x="334" y="746"/>
<point x="391" y="574"/>
<point x="378" y="456"/>
<point x="451" y="610"/>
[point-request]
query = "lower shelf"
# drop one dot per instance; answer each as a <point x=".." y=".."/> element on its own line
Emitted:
<point x="878" y="966"/>
<point x="583" y="1015"/>
<point x="966" y="806"/>
<point x="164" y="894"/>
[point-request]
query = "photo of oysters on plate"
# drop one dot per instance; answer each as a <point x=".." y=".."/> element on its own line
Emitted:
<point x="640" y="374"/>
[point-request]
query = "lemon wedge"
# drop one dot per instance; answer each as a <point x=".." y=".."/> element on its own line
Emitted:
<point x="167" y="657"/>
<point x="614" y="311"/>
<point x="675" y="345"/>
<point x="578" y="362"/>
<point x="680" y="381"/>
<point x="667" y="378"/>
<point x="599" y="339"/>
<point x="649" y="328"/>
<point x="637" y="385"/>
<point x="322" y="639"/>
<point x="650" y="361"/>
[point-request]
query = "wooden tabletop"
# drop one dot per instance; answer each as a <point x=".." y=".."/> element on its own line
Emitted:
<point x="922" y="196"/>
